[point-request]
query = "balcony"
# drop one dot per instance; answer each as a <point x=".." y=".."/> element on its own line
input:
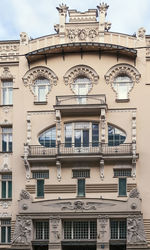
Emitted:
<point x="94" y="150"/>
<point x="80" y="104"/>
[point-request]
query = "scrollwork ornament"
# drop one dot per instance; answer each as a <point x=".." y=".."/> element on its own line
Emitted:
<point x="82" y="34"/>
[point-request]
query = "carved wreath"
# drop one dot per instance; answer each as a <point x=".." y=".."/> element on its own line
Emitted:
<point x="37" y="72"/>
<point x="122" y="69"/>
<point x="78" y="71"/>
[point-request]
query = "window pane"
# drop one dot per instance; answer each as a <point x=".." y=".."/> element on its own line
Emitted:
<point x="48" y="138"/>
<point x="41" y="88"/>
<point x="77" y="138"/>
<point x="40" y="188"/>
<point x="122" y="186"/>
<point x="114" y="229"/>
<point x="10" y="96"/>
<point x="115" y="136"/>
<point x="95" y="134"/>
<point x="3" y="189"/>
<point x="4" y="96"/>
<point x="68" y="135"/>
<point x="9" y="234"/>
<point x="122" y="86"/>
<point x="85" y="138"/>
<point x="81" y="187"/>
<point x="9" y="189"/>
<point x="3" y="234"/>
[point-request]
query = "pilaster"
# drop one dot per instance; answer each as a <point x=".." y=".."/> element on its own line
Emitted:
<point x="103" y="233"/>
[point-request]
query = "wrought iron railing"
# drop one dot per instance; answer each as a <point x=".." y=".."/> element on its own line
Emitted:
<point x="86" y="148"/>
<point x="80" y="99"/>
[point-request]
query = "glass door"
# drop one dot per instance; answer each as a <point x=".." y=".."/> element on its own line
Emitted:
<point x="81" y="138"/>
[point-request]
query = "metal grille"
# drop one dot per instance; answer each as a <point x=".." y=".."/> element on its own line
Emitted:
<point x="122" y="172"/>
<point x="80" y="230"/>
<point x="83" y="173"/>
<point x="5" y="222"/>
<point x="6" y="176"/>
<point x="42" y="230"/>
<point x="118" y="229"/>
<point x="40" y="175"/>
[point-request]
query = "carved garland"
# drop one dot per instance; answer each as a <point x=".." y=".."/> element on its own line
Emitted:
<point x="37" y="72"/>
<point x="81" y="70"/>
<point x="122" y="69"/>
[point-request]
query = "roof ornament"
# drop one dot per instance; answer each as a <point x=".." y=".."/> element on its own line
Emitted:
<point x="62" y="8"/>
<point x="103" y="25"/>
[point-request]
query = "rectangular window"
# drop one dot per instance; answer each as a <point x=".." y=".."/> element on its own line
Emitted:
<point x="5" y="231"/>
<point x="6" y="186"/>
<point x="40" y="175"/>
<point x="6" y="139"/>
<point x="122" y="187"/>
<point x="82" y="173"/>
<point x="40" y="188"/>
<point x="81" y="187"/>
<point x="7" y="92"/>
<point x="41" y="230"/>
<point x="118" y="229"/>
<point x="122" y="172"/>
<point x="77" y="230"/>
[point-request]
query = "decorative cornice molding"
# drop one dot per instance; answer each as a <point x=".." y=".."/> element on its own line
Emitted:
<point x="81" y="70"/>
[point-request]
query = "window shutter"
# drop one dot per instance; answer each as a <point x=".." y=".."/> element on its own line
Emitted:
<point x="9" y="189"/>
<point x="40" y="188"/>
<point x="81" y="187"/>
<point x="122" y="186"/>
<point x="3" y="189"/>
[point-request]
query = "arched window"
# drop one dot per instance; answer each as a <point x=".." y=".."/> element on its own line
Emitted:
<point x="48" y="138"/>
<point x="122" y="85"/>
<point x="41" y="88"/>
<point x="81" y="85"/>
<point x="115" y="136"/>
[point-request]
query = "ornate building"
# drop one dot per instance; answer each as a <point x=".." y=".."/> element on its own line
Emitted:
<point x="74" y="122"/>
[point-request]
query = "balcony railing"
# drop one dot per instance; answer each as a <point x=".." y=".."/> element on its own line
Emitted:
<point x="81" y="100"/>
<point x="93" y="148"/>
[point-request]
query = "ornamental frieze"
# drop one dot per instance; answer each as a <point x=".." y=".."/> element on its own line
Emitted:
<point x="82" y="34"/>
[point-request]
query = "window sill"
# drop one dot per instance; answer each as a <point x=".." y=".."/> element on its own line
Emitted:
<point x="6" y="105"/>
<point x="5" y="199"/>
<point x="122" y="196"/>
<point x="122" y="100"/>
<point x="6" y="152"/>
<point x="42" y="197"/>
<point x="40" y="103"/>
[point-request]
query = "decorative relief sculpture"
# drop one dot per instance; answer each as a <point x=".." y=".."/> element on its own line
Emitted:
<point x="78" y="71"/>
<point x="39" y="71"/>
<point x="23" y="229"/>
<point x="62" y="8"/>
<point x="103" y="222"/>
<point x="24" y="195"/>
<point x="122" y="69"/>
<point x="134" y="193"/>
<point x="135" y="230"/>
<point x="82" y="34"/>
<point x="24" y="38"/>
<point x="6" y="74"/>
<point x="55" y="228"/>
<point x="103" y="7"/>
<point x="148" y="48"/>
<point x="79" y="205"/>
<point x="141" y="33"/>
<point x="26" y="162"/>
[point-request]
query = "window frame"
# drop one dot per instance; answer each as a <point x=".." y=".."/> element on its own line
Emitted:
<point x="117" y="86"/>
<point x="7" y="139"/>
<point x="8" y="184"/>
<point x="7" y="97"/>
<point x="119" y="193"/>
<point x="84" y="188"/>
<point x="43" y="230"/>
<point x="7" y="231"/>
<point x="118" y="229"/>
<point x="39" y="85"/>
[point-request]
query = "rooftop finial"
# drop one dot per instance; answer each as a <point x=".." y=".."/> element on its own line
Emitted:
<point x="62" y="8"/>
<point x="103" y="7"/>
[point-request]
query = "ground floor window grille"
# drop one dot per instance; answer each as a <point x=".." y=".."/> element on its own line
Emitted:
<point x="81" y="173"/>
<point x="122" y="172"/>
<point x="5" y="231"/>
<point x="42" y="230"/>
<point x="118" y="229"/>
<point x="80" y="230"/>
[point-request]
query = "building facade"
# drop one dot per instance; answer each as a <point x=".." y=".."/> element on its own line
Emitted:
<point x="74" y="122"/>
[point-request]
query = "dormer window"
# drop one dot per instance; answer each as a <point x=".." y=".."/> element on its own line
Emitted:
<point x="41" y="88"/>
<point x="122" y="85"/>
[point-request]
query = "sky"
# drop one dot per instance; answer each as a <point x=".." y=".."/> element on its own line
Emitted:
<point x="37" y="17"/>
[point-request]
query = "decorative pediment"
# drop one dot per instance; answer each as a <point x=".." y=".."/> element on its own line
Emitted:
<point x="37" y="72"/>
<point x="6" y="75"/>
<point x="122" y="69"/>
